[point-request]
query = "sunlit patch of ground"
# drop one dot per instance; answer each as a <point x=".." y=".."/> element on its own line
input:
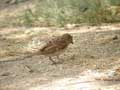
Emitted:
<point x="84" y="81"/>
<point x="95" y="48"/>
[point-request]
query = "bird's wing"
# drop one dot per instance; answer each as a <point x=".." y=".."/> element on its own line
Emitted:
<point x="52" y="47"/>
<point x="49" y="49"/>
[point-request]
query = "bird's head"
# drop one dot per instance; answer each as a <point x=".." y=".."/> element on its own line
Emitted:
<point x="67" y="38"/>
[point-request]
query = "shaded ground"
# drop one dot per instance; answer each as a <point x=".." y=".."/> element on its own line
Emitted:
<point x="96" y="48"/>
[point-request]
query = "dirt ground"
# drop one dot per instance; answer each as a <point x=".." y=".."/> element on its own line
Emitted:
<point x="95" y="48"/>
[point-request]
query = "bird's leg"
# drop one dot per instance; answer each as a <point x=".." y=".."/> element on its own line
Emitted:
<point x="50" y="58"/>
<point x="59" y="59"/>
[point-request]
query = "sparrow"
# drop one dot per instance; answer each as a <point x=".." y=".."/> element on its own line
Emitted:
<point x="56" y="46"/>
<point x="52" y="47"/>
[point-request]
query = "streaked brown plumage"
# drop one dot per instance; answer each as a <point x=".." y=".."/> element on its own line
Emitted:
<point x="56" y="46"/>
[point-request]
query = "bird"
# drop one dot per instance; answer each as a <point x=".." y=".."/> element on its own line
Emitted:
<point x="53" y="47"/>
<point x="56" y="46"/>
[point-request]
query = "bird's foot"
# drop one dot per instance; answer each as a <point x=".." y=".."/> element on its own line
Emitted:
<point x="60" y="62"/>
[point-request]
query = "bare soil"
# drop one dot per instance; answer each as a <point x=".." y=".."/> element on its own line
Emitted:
<point x="95" y="48"/>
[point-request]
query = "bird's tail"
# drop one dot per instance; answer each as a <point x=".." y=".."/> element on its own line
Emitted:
<point x="18" y="58"/>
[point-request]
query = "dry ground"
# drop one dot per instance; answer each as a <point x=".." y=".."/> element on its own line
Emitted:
<point x="95" y="48"/>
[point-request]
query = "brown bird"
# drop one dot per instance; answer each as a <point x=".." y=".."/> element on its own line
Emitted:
<point x="56" y="46"/>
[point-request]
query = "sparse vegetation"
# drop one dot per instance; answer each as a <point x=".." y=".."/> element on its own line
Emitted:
<point x="62" y="12"/>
